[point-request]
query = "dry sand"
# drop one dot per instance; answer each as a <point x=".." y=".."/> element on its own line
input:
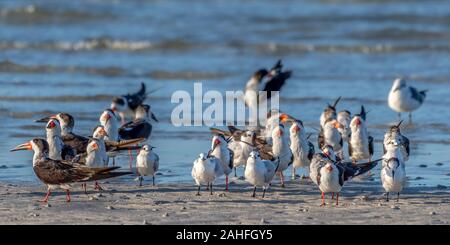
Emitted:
<point x="361" y="202"/>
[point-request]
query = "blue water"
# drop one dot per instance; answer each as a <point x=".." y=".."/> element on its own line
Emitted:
<point x="75" y="56"/>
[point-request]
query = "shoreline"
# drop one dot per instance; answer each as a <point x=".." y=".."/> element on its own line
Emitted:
<point x="361" y="202"/>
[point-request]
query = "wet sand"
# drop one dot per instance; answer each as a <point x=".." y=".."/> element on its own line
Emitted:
<point x="361" y="202"/>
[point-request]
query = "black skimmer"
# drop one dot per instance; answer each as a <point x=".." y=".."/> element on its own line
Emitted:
<point x="330" y="176"/>
<point x="58" y="173"/>
<point x="393" y="176"/>
<point x="57" y="149"/>
<point x="219" y="149"/>
<point x="129" y="102"/>
<point x="344" y="117"/>
<point x="109" y="121"/>
<point x="302" y="149"/>
<point x="260" y="172"/>
<point x="67" y="123"/>
<point x="205" y="170"/>
<point x="394" y="138"/>
<point x="140" y="127"/>
<point x="360" y="144"/>
<point x="281" y="150"/>
<point x="404" y="98"/>
<point x="329" y="112"/>
<point x="147" y="163"/>
<point x="277" y="78"/>
<point x="242" y="144"/>
<point x="329" y="135"/>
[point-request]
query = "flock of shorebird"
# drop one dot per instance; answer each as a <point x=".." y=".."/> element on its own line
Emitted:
<point x="343" y="141"/>
<point x="346" y="148"/>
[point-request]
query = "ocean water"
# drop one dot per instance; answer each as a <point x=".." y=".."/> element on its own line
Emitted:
<point x="75" y="56"/>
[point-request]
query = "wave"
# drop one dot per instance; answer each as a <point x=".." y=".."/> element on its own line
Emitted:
<point x="103" y="43"/>
<point x="34" y="15"/>
<point x="11" y="67"/>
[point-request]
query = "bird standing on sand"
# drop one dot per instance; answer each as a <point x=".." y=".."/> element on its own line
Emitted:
<point x="219" y="149"/>
<point x="360" y="144"/>
<point x="330" y="176"/>
<point x="147" y="163"/>
<point x="57" y="149"/>
<point x="302" y="149"/>
<point x="129" y="102"/>
<point x="404" y="98"/>
<point x="205" y="170"/>
<point x="260" y="172"/>
<point x="60" y="174"/>
<point x="394" y="138"/>
<point x="393" y="176"/>
<point x="329" y="112"/>
<point x="281" y="150"/>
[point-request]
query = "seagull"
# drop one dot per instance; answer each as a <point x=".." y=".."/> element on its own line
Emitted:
<point x="329" y="112"/>
<point x="260" y="172"/>
<point x="205" y="170"/>
<point x="57" y="149"/>
<point x="60" y="174"/>
<point x="129" y="102"/>
<point x="147" y="163"/>
<point x="393" y="176"/>
<point x="219" y="149"/>
<point x="360" y="144"/>
<point x="67" y="123"/>
<point x="330" y="176"/>
<point x="302" y="149"/>
<point x="394" y="138"/>
<point x="281" y="150"/>
<point x="404" y="98"/>
<point x="329" y="135"/>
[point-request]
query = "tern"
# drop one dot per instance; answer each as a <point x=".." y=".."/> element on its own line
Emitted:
<point x="394" y="138"/>
<point x="260" y="172"/>
<point x="57" y="149"/>
<point x="393" y="176"/>
<point x="205" y="170"/>
<point x="147" y="163"/>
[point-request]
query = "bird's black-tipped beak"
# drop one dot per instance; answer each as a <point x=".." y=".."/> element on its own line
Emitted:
<point x="45" y="119"/>
<point x="23" y="147"/>
<point x="154" y="117"/>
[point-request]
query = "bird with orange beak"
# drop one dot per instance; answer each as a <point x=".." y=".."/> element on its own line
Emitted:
<point x="61" y="174"/>
<point x="330" y="175"/>
<point x="67" y="123"/>
<point x="360" y="144"/>
<point x="219" y="150"/>
<point x="57" y="149"/>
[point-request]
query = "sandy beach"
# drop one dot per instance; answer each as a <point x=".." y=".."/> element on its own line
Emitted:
<point x="361" y="202"/>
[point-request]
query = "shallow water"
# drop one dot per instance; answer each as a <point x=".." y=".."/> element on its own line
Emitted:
<point x="75" y="57"/>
